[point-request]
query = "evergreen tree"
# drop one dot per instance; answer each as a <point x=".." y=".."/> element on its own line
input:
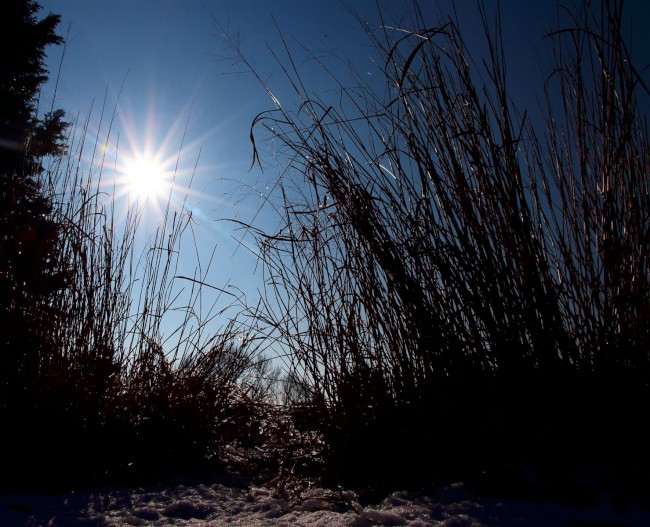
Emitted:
<point x="28" y="235"/>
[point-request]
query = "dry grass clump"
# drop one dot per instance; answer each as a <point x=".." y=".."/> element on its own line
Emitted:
<point x="106" y="395"/>
<point x="458" y="287"/>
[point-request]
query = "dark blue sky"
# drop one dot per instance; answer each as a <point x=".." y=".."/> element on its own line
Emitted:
<point x="167" y="57"/>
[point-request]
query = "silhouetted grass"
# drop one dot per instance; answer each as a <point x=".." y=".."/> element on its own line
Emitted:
<point x="458" y="288"/>
<point x="100" y="399"/>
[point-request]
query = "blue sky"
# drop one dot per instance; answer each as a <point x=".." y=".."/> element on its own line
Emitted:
<point x="168" y="63"/>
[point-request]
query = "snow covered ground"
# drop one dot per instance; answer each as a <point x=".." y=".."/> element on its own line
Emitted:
<point x="198" y="504"/>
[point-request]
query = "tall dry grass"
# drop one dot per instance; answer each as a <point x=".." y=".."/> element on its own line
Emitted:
<point x="457" y="287"/>
<point x="113" y="392"/>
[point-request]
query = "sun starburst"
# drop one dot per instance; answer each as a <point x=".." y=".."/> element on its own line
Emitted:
<point x="146" y="177"/>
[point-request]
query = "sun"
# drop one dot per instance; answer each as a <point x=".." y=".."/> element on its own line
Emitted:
<point x="149" y="173"/>
<point x="146" y="177"/>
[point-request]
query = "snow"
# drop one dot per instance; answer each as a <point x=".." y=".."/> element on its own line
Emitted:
<point x="200" y="504"/>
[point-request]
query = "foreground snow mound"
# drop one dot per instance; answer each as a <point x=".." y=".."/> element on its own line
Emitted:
<point x="216" y="505"/>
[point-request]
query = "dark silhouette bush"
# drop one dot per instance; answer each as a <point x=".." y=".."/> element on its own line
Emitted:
<point x="469" y="289"/>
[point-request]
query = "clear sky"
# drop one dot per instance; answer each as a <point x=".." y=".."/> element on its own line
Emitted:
<point x="166" y="58"/>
